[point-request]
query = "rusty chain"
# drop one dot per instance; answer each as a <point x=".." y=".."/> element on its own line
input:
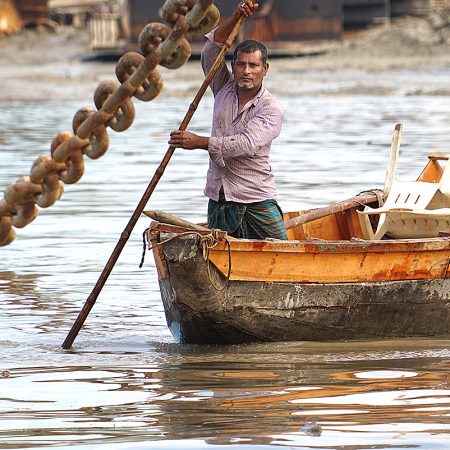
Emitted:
<point x="137" y="77"/>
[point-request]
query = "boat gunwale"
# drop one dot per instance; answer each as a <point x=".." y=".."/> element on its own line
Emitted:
<point x="312" y="245"/>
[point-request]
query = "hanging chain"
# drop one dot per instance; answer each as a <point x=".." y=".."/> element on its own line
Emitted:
<point x="137" y="77"/>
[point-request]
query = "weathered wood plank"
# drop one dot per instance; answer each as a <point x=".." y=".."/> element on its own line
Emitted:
<point x="270" y="311"/>
<point x="330" y="267"/>
<point x="361" y="199"/>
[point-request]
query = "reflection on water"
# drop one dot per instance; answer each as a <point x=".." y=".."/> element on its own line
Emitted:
<point x="125" y="384"/>
<point x="260" y="394"/>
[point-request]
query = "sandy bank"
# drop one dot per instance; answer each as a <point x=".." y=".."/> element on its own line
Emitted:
<point x="38" y="64"/>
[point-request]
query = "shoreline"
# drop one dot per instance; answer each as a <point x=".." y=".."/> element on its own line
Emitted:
<point x="41" y="64"/>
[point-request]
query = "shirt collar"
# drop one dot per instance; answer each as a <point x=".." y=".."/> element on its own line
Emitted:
<point x="256" y="98"/>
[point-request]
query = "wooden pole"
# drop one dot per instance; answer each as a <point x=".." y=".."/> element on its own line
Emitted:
<point x="163" y="217"/>
<point x="318" y="213"/>
<point x="147" y="194"/>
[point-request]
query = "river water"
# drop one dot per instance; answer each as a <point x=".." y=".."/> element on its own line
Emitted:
<point x="126" y="384"/>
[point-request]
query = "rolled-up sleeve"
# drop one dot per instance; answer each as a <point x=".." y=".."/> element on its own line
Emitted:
<point x="258" y="133"/>
<point x="209" y="54"/>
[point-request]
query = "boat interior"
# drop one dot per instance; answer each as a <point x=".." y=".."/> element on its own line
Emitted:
<point x="408" y="210"/>
<point x="402" y="210"/>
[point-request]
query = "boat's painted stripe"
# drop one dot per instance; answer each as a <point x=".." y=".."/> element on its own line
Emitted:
<point x="340" y="264"/>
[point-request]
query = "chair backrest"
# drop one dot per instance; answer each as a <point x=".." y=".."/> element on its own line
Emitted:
<point x="444" y="184"/>
<point x="412" y="195"/>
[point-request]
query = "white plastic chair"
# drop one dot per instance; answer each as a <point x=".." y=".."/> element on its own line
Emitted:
<point x="405" y="202"/>
<point x="412" y="209"/>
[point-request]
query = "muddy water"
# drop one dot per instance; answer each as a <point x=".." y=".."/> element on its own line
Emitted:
<point x="126" y="384"/>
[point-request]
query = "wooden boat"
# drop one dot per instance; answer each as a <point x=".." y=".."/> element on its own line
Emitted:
<point x="329" y="281"/>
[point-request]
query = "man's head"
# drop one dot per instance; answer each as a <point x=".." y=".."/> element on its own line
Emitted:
<point x="251" y="46"/>
<point x="250" y="64"/>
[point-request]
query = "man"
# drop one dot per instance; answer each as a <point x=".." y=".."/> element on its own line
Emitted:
<point x="246" y="119"/>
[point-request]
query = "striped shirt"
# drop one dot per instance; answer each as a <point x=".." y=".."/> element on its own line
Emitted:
<point x="240" y="143"/>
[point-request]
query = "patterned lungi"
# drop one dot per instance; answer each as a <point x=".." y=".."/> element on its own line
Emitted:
<point x="257" y="220"/>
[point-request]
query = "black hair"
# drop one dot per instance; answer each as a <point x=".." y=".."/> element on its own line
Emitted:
<point x="251" y="46"/>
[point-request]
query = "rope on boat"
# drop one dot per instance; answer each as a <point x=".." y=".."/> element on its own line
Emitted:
<point x="207" y="242"/>
<point x="151" y="247"/>
<point x="137" y="76"/>
<point x="379" y="194"/>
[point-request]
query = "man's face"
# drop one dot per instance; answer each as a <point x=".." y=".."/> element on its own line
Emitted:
<point x="249" y="70"/>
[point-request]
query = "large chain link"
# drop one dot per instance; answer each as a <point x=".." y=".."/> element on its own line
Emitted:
<point x="138" y="77"/>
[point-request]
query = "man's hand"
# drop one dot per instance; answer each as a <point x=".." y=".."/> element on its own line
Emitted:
<point x="245" y="8"/>
<point x="188" y="140"/>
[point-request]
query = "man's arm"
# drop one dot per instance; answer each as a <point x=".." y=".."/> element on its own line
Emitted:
<point x="245" y="8"/>
<point x="215" y="41"/>
<point x="186" y="139"/>
<point x="260" y="131"/>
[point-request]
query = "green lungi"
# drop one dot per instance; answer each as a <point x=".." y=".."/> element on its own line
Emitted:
<point x="257" y="220"/>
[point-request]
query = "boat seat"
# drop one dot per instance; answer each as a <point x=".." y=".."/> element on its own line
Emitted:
<point x="412" y="210"/>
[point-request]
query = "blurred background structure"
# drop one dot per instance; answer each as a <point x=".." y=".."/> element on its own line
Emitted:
<point x="285" y="25"/>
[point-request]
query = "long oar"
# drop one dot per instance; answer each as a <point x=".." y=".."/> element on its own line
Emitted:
<point x="147" y="194"/>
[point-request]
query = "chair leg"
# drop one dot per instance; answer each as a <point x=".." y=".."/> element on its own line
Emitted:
<point x="366" y="226"/>
<point x="381" y="228"/>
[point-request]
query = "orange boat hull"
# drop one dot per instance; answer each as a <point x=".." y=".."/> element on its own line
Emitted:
<point x="302" y="290"/>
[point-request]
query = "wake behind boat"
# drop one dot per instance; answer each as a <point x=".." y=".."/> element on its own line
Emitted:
<point x="353" y="270"/>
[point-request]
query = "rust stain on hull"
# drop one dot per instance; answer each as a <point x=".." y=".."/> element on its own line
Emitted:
<point x="249" y="310"/>
<point x="334" y="261"/>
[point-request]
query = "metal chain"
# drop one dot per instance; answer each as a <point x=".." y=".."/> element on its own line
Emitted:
<point x="138" y="77"/>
